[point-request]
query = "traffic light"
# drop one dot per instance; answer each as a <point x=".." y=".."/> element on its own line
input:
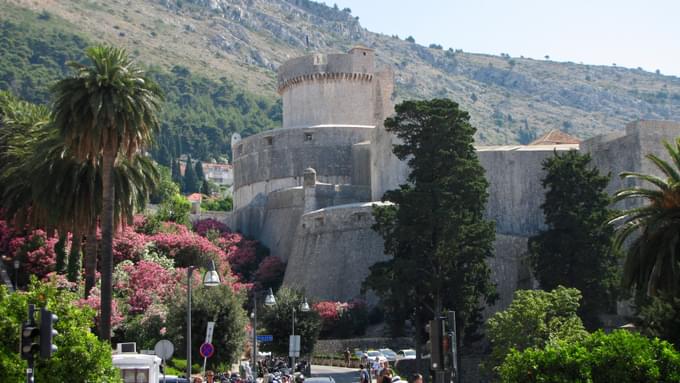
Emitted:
<point x="436" y="352"/>
<point x="29" y="341"/>
<point x="47" y="333"/>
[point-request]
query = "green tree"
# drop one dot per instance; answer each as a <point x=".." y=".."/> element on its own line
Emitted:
<point x="652" y="264"/>
<point x="277" y="321"/>
<point x="166" y="186"/>
<point x="177" y="175"/>
<point x="535" y="318"/>
<point x="199" y="172"/>
<point x="191" y="182"/>
<point x="80" y="355"/>
<point x="434" y="228"/>
<point x="620" y="356"/>
<point x="107" y="108"/>
<point x="175" y="209"/>
<point x="575" y="249"/>
<point x="219" y="304"/>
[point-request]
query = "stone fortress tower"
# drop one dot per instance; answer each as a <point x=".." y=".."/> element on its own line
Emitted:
<point x="306" y="190"/>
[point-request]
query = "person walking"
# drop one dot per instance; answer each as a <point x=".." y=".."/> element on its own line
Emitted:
<point x="363" y="374"/>
<point x="209" y="376"/>
<point x="416" y="378"/>
<point x="348" y="355"/>
<point x="375" y="367"/>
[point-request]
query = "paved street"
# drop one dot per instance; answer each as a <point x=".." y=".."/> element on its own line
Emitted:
<point x="340" y="374"/>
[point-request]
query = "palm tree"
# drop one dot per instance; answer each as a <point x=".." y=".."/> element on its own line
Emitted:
<point x="107" y="108"/>
<point x="652" y="263"/>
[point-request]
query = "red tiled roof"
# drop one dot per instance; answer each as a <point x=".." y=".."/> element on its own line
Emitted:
<point x="555" y="137"/>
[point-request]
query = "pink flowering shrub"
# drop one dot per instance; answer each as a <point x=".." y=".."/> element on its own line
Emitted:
<point x="128" y="245"/>
<point x="36" y="252"/>
<point x="244" y="256"/>
<point x="201" y="227"/>
<point x="147" y="283"/>
<point x="270" y="273"/>
<point x="342" y="319"/>
<point x="94" y="301"/>
<point x="189" y="249"/>
<point x="6" y="235"/>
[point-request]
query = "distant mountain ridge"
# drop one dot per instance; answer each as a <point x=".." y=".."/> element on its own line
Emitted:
<point x="510" y="99"/>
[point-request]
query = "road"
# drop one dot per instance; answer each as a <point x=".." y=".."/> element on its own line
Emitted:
<point x="339" y="374"/>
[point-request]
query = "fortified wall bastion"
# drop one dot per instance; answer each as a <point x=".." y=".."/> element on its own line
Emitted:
<point x="306" y="190"/>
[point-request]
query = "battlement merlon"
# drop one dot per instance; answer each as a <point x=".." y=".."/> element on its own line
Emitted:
<point x="358" y="64"/>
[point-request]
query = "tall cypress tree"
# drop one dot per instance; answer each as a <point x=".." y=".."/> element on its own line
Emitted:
<point x="435" y="231"/>
<point x="575" y="250"/>
<point x="177" y="175"/>
<point x="191" y="182"/>
<point x="199" y="171"/>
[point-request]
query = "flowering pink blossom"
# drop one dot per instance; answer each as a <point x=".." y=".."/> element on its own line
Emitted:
<point x="148" y="282"/>
<point x="270" y="272"/>
<point x="94" y="301"/>
<point x="327" y="310"/>
<point x="36" y="251"/>
<point x="201" y="227"/>
<point x="128" y="245"/>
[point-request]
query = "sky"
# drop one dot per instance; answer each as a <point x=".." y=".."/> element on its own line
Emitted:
<point x="629" y="33"/>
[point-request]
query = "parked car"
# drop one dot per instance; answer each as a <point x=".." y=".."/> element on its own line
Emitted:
<point x="390" y="355"/>
<point x="320" y="379"/>
<point x="361" y="355"/>
<point x="406" y="354"/>
<point x="172" y="379"/>
<point x="372" y="354"/>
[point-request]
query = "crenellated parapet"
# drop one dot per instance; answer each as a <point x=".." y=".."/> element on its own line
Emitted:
<point x="324" y="77"/>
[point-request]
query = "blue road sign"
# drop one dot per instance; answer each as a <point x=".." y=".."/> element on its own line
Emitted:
<point x="265" y="338"/>
<point x="207" y="350"/>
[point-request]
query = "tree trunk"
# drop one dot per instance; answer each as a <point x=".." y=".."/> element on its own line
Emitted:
<point x="91" y="257"/>
<point x="73" y="267"/>
<point x="60" y="250"/>
<point x="108" y="196"/>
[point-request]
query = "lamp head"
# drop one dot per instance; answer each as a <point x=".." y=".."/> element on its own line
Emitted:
<point x="270" y="300"/>
<point x="304" y="306"/>
<point x="211" y="278"/>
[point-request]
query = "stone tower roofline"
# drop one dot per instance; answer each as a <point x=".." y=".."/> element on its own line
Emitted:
<point x="356" y="65"/>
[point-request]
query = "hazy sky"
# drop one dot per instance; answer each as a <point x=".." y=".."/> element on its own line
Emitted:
<point x="630" y="33"/>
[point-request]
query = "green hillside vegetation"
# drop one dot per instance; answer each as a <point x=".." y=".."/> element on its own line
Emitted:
<point x="199" y="114"/>
<point x="511" y="98"/>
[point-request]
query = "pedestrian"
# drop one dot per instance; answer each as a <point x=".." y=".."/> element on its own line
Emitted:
<point x="416" y="378"/>
<point x="197" y="379"/>
<point x="348" y="354"/>
<point x="376" y="366"/>
<point x="386" y="376"/>
<point x="209" y="376"/>
<point x="363" y="374"/>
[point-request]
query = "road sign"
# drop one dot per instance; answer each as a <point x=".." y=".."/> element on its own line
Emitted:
<point x="209" y="332"/>
<point x="265" y="338"/>
<point x="294" y="346"/>
<point x="164" y="349"/>
<point x="207" y="350"/>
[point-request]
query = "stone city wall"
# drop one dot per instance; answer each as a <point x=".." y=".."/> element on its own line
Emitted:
<point x="280" y="156"/>
<point x="332" y="252"/>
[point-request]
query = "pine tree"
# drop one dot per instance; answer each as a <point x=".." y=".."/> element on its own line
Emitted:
<point x="435" y="231"/>
<point x="575" y="250"/>
<point x="191" y="182"/>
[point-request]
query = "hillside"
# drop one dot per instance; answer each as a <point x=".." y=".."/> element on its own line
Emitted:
<point x="243" y="41"/>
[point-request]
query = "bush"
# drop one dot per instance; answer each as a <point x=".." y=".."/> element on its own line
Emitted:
<point x="175" y="209"/>
<point x="533" y="319"/>
<point x="217" y="204"/>
<point x="617" y="357"/>
<point x="270" y="273"/>
<point x="80" y="354"/>
<point x="202" y="226"/>
<point x="220" y="304"/>
<point x="277" y="321"/>
<point x="342" y="319"/>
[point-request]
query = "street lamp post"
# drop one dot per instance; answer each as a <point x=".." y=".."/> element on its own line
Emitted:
<point x="269" y="300"/>
<point x="17" y="263"/>
<point x="304" y="307"/>
<point x="211" y="278"/>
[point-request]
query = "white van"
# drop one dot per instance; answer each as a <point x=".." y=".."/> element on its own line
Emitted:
<point x="138" y="368"/>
